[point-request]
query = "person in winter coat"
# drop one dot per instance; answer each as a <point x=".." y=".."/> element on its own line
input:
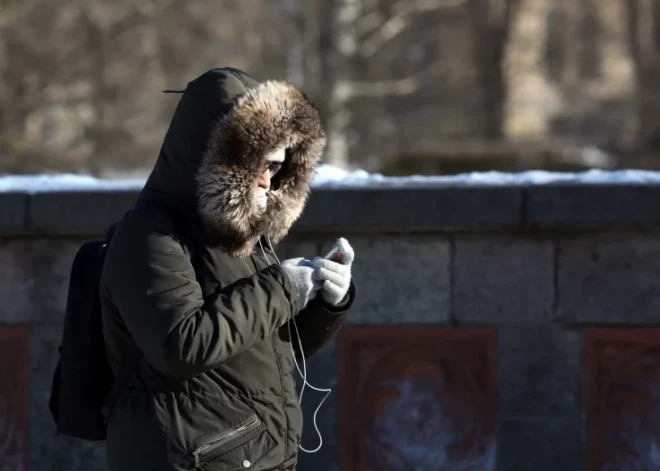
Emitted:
<point x="192" y="280"/>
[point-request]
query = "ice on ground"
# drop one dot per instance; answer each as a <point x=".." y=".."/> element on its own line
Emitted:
<point x="328" y="176"/>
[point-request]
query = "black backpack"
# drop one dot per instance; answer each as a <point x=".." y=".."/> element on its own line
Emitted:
<point x="84" y="389"/>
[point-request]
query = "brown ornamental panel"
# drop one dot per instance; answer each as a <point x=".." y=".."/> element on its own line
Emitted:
<point x="13" y="399"/>
<point x="418" y="398"/>
<point x="623" y="398"/>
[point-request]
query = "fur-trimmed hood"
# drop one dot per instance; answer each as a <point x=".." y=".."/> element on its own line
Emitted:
<point x="217" y="146"/>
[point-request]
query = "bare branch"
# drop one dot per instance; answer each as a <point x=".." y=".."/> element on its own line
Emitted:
<point x="138" y="14"/>
<point x="370" y="22"/>
<point x="387" y="31"/>
<point x="392" y="27"/>
<point x="409" y="7"/>
<point x="375" y="89"/>
<point x="347" y="90"/>
<point x="369" y="4"/>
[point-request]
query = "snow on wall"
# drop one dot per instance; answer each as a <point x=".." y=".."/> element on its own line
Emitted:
<point x="334" y="177"/>
<point x="63" y="182"/>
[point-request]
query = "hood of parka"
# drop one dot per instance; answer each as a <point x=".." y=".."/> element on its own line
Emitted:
<point x="224" y="129"/>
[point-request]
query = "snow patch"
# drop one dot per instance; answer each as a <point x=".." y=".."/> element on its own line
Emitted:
<point x="329" y="177"/>
<point x="333" y="177"/>
<point x="64" y="182"/>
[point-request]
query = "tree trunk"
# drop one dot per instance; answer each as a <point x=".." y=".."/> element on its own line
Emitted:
<point x="295" y="42"/>
<point x="647" y="71"/>
<point x="342" y="51"/>
<point x="491" y="23"/>
<point x="493" y="89"/>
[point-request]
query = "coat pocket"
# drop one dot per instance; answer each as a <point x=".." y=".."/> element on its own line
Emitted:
<point x="218" y="431"/>
<point x="242" y="447"/>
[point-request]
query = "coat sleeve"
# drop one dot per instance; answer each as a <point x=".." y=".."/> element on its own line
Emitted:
<point x="152" y="283"/>
<point x="317" y="324"/>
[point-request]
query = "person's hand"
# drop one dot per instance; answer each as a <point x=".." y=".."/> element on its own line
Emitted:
<point x="300" y="271"/>
<point x="334" y="271"/>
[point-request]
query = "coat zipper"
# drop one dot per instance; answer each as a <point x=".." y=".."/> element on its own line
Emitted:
<point x="215" y="442"/>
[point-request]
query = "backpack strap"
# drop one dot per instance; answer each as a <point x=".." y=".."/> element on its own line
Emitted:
<point x="131" y="361"/>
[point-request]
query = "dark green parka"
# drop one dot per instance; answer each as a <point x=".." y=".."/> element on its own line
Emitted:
<point x="215" y="388"/>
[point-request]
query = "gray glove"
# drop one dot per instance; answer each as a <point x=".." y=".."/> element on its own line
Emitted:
<point x="334" y="271"/>
<point x="300" y="271"/>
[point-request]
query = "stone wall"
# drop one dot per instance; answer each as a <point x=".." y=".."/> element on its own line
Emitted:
<point x="508" y="328"/>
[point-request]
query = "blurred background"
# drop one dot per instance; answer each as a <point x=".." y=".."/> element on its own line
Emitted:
<point x="404" y="86"/>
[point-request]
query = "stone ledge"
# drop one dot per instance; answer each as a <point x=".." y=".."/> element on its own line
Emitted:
<point x="593" y="204"/>
<point x="412" y="208"/>
<point x="13" y="211"/>
<point x="441" y="208"/>
<point x="77" y="212"/>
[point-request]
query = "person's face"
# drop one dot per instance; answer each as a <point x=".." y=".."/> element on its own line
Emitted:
<point x="273" y="165"/>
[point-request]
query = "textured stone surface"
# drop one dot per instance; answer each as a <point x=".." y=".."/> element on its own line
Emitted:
<point x="16" y="282"/>
<point x="543" y="444"/>
<point x="76" y="212"/>
<point x="539" y="370"/>
<point x="623" y="407"/>
<point x="51" y="266"/>
<point x="50" y="451"/>
<point x="44" y="342"/>
<point x="14" y="401"/>
<point x="500" y="280"/>
<point x="503" y="280"/>
<point x="322" y="372"/>
<point x="13" y="211"/>
<point x="412" y="207"/>
<point x="400" y="280"/>
<point x="418" y="398"/>
<point x="426" y="208"/>
<point x="35" y="279"/>
<point x="593" y="204"/>
<point x="448" y="207"/>
<point x="609" y="279"/>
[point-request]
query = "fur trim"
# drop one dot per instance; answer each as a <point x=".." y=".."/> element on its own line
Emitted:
<point x="264" y="119"/>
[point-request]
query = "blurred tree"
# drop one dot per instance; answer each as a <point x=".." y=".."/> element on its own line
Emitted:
<point x="491" y="22"/>
<point x="643" y="32"/>
<point x="80" y="80"/>
<point x="361" y="30"/>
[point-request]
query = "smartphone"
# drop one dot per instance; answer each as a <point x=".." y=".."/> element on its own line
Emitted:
<point x="335" y="254"/>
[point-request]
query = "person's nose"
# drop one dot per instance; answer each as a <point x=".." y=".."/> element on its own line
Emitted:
<point x="264" y="180"/>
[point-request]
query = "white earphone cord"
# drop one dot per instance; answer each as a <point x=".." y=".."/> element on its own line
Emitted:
<point x="303" y="373"/>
